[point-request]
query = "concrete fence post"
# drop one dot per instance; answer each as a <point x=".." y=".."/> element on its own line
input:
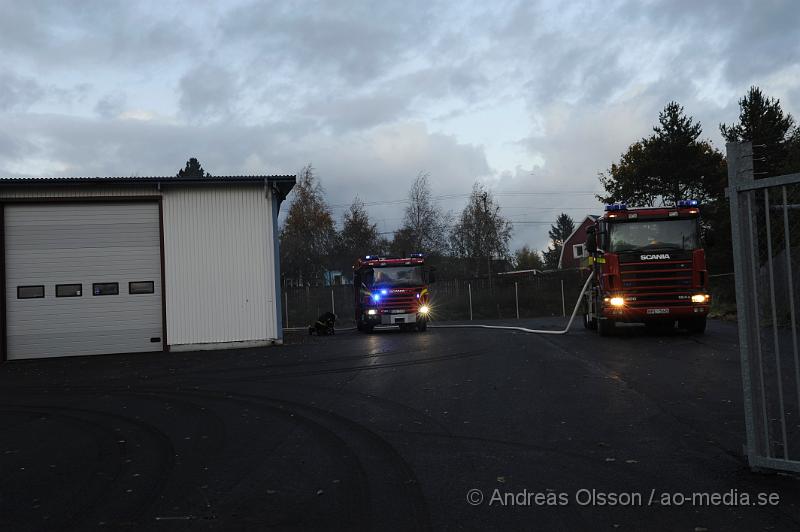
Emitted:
<point x="563" y="302"/>
<point x="286" y="298"/>
<point x="516" y="296"/>
<point x="469" y="288"/>
<point x="333" y="303"/>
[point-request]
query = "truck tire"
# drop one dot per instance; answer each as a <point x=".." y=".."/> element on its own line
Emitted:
<point x="694" y="325"/>
<point x="422" y="325"/>
<point x="606" y="326"/>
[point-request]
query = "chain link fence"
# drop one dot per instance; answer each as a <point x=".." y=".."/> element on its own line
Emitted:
<point x="499" y="297"/>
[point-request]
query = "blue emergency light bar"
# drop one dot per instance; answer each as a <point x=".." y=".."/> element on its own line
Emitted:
<point x="616" y="207"/>
<point x="688" y="203"/>
<point x="416" y="255"/>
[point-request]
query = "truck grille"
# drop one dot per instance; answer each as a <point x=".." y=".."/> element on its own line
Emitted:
<point x="399" y="300"/>
<point x="648" y="284"/>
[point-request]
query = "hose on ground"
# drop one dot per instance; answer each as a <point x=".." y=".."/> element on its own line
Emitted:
<point x="524" y="329"/>
<point x="503" y="327"/>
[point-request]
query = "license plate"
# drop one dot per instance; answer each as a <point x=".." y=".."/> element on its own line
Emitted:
<point x="658" y="311"/>
<point x="398" y="311"/>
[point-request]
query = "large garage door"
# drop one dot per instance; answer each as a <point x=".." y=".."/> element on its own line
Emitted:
<point x="82" y="279"/>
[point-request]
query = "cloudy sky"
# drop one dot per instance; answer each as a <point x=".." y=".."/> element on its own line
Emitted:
<point x="533" y="98"/>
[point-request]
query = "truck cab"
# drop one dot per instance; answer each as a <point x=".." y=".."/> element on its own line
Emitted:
<point x="392" y="291"/>
<point x="649" y="266"/>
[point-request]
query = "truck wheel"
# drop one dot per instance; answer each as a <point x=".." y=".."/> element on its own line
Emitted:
<point x="422" y="326"/>
<point x="606" y="326"/>
<point x="694" y="325"/>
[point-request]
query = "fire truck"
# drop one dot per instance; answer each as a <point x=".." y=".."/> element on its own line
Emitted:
<point x="392" y="291"/>
<point x="649" y="267"/>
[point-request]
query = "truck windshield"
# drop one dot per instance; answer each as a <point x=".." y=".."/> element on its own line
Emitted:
<point x="657" y="234"/>
<point x="396" y="276"/>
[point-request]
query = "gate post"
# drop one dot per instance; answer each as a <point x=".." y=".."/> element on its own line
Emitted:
<point x="740" y="171"/>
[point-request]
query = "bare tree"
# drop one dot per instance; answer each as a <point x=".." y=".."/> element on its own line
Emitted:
<point x="482" y="233"/>
<point x="308" y="234"/>
<point x="424" y="225"/>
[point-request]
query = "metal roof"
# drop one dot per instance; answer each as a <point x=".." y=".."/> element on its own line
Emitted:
<point x="148" y="180"/>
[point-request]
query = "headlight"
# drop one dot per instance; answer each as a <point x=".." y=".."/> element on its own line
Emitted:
<point x="424" y="309"/>
<point x="699" y="298"/>
<point x="372" y="312"/>
<point x="617" y="301"/>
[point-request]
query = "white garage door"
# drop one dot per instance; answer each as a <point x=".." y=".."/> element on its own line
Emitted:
<point x="82" y="279"/>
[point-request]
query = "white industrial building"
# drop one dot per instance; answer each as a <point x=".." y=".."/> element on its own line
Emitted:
<point x="138" y="264"/>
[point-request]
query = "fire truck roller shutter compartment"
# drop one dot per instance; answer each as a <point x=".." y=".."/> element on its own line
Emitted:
<point x="82" y="278"/>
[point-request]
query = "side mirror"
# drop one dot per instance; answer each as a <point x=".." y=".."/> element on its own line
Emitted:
<point x="591" y="240"/>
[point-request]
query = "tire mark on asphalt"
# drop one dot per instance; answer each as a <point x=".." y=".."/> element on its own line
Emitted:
<point x="165" y="457"/>
<point x="395" y="464"/>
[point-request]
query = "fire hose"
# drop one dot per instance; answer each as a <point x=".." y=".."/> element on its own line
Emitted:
<point x="525" y="329"/>
<point x="501" y="327"/>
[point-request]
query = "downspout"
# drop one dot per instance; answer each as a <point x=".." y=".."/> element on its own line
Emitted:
<point x="277" y="199"/>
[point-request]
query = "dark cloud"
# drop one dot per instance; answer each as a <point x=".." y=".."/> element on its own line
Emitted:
<point x="110" y="105"/>
<point x="18" y="93"/>
<point x="207" y="91"/>
<point x="349" y="43"/>
<point x="357" y="88"/>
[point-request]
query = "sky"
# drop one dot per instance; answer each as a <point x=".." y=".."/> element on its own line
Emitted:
<point x="531" y="98"/>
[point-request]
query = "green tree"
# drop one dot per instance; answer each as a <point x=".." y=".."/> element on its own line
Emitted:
<point x="526" y="258"/>
<point x="358" y="237"/>
<point x="403" y="242"/>
<point x="482" y="233"/>
<point x="774" y="136"/>
<point x="558" y="233"/>
<point x="193" y="169"/>
<point x="308" y="235"/>
<point x="671" y="164"/>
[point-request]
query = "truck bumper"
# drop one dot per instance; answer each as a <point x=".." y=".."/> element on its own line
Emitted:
<point x="392" y="319"/>
<point x="658" y="313"/>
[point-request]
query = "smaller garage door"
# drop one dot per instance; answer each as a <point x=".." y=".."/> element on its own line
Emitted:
<point x="82" y="279"/>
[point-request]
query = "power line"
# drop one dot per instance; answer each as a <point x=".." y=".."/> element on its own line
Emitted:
<point x="466" y="195"/>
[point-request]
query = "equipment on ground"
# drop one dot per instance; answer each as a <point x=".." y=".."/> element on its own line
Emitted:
<point x="392" y="291"/>
<point x="324" y="325"/>
<point x="649" y="266"/>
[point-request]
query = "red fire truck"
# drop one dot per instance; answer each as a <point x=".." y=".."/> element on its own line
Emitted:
<point x="649" y="266"/>
<point x="392" y="291"/>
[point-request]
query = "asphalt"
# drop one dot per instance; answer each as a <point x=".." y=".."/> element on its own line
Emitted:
<point x="389" y="431"/>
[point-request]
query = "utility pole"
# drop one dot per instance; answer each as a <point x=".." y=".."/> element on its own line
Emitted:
<point x="488" y="240"/>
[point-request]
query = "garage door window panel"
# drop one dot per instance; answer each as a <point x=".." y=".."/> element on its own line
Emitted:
<point x="105" y="289"/>
<point x="30" y="292"/>
<point x="69" y="290"/>
<point x="141" y="287"/>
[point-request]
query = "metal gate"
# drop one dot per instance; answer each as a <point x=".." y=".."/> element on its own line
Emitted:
<point x="765" y="225"/>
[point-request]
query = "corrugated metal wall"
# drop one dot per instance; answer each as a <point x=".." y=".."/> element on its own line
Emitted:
<point x="219" y="264"/>
<point x="218" y="253"/>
